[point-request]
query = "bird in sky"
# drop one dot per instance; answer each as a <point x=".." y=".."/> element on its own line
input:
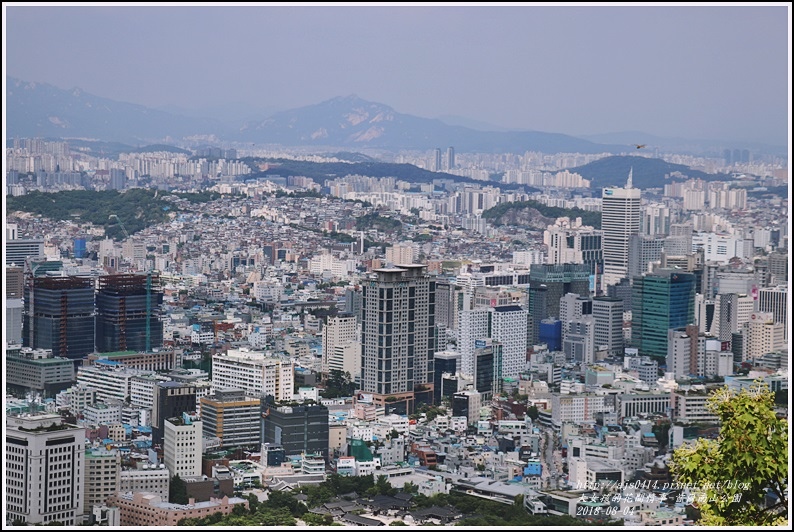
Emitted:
<point x="640" y="146"/>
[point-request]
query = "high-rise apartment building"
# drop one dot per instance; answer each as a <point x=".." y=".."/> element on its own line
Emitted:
<point x="574" y="306"/>
<point x="398" y="337"/>
<point x="59" y="315"/>
<point x="660" y="301"/>
<point x="450" y="158"/>
<point x="579" y="341"/>
<point x="683" y="345"/>
<point x="44" y="470"/>
<point x="620" y="218"/>
<point x="505" y="324"/>
<point x="732" y="310"/>
<point x="437" y="160"/>
<point x="655" y="219"/>
<point x="475" y="324"/>
<point x="446" y="306"/>
<point x="128" y="313"/>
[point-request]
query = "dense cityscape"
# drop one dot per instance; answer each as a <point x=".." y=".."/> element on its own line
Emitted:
<point x="203" y="336"/>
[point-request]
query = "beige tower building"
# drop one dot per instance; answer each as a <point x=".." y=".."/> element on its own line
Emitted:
<point x="620" y="218"/>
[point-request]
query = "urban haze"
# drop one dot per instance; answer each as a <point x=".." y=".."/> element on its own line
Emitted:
<point x="396" y="265"/>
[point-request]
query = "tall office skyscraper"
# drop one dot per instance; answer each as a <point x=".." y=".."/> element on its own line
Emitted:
<point x="398" y="337"/>
<point x="59" y="315"/>
<point x="536" y="311"/>
<point x="608" y="316"/>
<point x="620" y="218"/>
<point x="128" y="311"/>
<point x="660" y="301"/>
<point x="437" y="160"/>
<point x="475" y="324"/>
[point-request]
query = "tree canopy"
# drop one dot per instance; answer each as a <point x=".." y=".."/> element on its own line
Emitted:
<point x="742" y="476"/>
<point x="494" y="214"/>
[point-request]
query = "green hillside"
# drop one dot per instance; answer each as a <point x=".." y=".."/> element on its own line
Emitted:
<point x="319" y="172"/>
<point x="136" y="208"/>
<point x="498" y="214"/>
<point x="647" y="172"/>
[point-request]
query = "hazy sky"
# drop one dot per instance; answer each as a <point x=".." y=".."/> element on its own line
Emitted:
<point x="697" y="72"/>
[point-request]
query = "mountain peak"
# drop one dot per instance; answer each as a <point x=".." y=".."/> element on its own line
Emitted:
<point x="350" y="99"/>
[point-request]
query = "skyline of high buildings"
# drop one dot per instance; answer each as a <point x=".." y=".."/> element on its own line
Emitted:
<point x="217" y="331"/>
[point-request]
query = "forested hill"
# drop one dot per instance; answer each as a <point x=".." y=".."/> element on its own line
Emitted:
<point x="647" y="172"/>
<point x="137" y="208"/>
<point x="319" y="172"/>
<point x="536" y="215"/>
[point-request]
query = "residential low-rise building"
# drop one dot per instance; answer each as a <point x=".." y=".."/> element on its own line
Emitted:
<point x="148" y="509"/>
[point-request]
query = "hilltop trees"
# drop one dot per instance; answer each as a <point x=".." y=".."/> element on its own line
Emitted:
<point x="743" y="474"/>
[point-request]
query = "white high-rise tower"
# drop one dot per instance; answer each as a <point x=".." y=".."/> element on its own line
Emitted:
<point x="620" y="218"/>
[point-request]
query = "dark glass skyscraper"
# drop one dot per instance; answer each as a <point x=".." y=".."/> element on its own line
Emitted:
<point x="559" y="279"/>
<point x="128" y="312"/>
<point x="59" y="315"/>
<point x="295" y="428"/>
<point x="171" y="399"/>
<point x="660" y="301"/>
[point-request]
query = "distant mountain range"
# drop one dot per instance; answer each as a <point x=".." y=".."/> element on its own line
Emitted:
<point x="43" y="110"/>
<point x="352" y="122"/>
